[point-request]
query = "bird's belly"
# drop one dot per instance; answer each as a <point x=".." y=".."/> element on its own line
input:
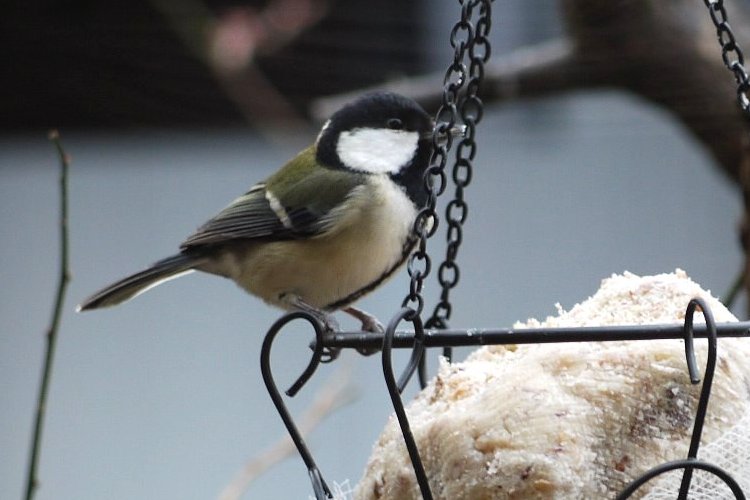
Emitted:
<point x="331" y="270"/>
<point x="321" y="272"/>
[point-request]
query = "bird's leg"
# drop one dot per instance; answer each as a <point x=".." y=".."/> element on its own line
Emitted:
<point x="369" y="324"/>
<point x="295" y="302"/>
<point x="328" y="321"/>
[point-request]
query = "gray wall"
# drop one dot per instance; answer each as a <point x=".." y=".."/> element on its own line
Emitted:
<point x="162" y="397"/>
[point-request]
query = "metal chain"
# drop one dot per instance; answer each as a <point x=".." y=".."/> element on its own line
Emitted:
<point x="465" y="38"/>
<point x="731" y="53"/>
<point x="474" y="41"/>
<point x="468" y="38"/>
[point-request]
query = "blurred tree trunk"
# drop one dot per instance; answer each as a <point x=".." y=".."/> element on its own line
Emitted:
<point x="664" y="51"/>
<point x="668" y="53"/>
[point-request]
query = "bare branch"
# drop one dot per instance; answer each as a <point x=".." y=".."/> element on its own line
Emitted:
<point x="32" y="480"/>
<point x="529" y="71"/>
<point x="335" y="393"/>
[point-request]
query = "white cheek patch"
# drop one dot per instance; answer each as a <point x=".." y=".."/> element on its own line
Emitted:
<point x="376" y="150"/>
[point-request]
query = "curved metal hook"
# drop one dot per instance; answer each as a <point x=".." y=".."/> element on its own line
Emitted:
<point x="434" y="323"/>
<point x="687" y="464"/>
<point x="708" y="378"/>
<point x="422" y="371"/>
<point x="691" y="462"/>
<point x="320" y="487"/>
<point x="395" y="389"/>
<point x="417" y="353"/>
<point x="422" y="368"/>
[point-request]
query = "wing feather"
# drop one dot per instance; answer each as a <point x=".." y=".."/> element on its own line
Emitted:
<point x="248" y="217"/>
<point x="310" y="205"/>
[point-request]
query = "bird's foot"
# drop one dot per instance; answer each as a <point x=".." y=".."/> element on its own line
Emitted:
<point x="328" y="322"/>
<point x="331" y="325"/>
<point x="369" y="324"/>
<point x="295" y="302"/>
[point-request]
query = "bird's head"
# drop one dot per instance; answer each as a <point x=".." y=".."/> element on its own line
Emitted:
<point x="379" y="133"/>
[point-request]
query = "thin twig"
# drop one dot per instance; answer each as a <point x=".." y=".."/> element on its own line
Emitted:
<point x="32" y="481"/>
<point x="335" y="393"/>
<point x="734" y="290"/>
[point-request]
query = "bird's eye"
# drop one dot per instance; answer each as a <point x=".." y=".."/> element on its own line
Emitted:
<point x="395" y="124"/>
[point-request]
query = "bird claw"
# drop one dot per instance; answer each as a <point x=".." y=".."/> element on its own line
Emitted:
<point x="371" y="325"/>
<point x="329" y="323"/>
<point x="329" y="354"/>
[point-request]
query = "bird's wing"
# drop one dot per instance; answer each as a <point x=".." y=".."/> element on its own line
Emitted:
<point x="310" y="197"/>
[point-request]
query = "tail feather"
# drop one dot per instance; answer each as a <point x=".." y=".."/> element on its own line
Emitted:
<point x="127" y="288"/>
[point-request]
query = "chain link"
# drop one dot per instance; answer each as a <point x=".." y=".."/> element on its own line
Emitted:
<point x="471" y="38"/>
<point x="466" y="38"/>
<point x="731" y="53"/>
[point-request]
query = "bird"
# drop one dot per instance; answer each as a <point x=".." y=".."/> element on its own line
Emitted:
<point x="330" y="226"/>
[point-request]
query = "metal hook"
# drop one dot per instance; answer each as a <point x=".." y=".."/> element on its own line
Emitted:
<point x="395" y="389"/>
<point x="431" y="323"/>
<point x="422" y="371"/>
<point x="422" y="368"/>
<point x="708" y="377"/>
<point x="417" y="353"/>
<point x="691" y="462"/>
<point x="434" y="323"/>
<point x="320" y="488"/>
<point x="685" y="463"/>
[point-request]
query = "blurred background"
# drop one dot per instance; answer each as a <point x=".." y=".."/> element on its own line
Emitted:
<point x="170" y="109"/>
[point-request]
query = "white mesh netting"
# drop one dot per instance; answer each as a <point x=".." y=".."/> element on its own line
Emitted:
<point x="573" y="421"/>
<point x="731" y="452"/>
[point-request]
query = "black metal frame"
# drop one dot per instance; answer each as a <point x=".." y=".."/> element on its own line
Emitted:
<point x="419" y="340"/>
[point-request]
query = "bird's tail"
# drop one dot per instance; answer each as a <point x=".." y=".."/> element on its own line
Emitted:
<point x="127" y="288"/>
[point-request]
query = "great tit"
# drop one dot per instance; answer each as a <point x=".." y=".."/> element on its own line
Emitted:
<point x="330" y="226"/>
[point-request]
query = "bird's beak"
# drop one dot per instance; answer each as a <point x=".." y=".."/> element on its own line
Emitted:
<point x="458" y="131"/>
<point x="454" y="131"/>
